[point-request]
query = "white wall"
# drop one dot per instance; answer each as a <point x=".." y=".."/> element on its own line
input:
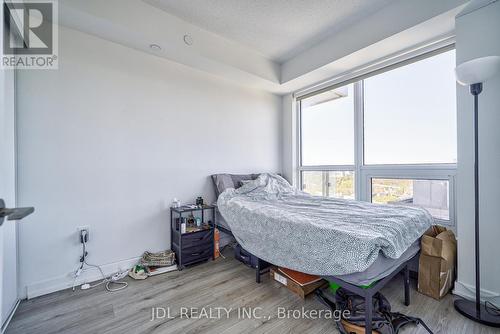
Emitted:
<point x="110" y="138"/>
<point x="477" y="35"/>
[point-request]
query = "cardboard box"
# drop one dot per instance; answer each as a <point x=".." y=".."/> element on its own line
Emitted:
<point x="437" y="262"/>
<point x="354" y="329"/>
<point x="295" y="287"/>
<point x="216" y="243"/>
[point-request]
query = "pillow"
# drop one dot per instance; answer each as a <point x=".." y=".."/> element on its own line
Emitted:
<point x="224" y="181"/>
<point x="237" y="179"/>
<point x="243" y="182"/>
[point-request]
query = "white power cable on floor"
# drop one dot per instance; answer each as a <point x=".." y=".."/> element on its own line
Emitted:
<point x="114" y="279"/>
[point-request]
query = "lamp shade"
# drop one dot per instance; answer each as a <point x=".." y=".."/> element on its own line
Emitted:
<point x="477" y="70"/>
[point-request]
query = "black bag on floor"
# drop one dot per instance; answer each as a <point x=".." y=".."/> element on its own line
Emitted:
<point x="383" y="320"/>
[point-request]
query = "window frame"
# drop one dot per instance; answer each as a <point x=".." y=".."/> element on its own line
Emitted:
<point x="363" y="173"/>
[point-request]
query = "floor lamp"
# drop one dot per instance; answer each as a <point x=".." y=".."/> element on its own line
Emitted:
<point x="474" y="73"/>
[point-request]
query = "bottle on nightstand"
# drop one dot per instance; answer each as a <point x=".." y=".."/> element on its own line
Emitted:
<point x="183" y="225"/>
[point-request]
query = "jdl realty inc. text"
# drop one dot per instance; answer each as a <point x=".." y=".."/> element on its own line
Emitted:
<point x="161" y="313"/>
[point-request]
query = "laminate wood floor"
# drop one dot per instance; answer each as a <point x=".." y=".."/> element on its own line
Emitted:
<point x="221" y="283"/>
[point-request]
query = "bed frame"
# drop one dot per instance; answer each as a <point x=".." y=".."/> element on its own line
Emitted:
<point x="368" y="293"/>
<point x="372" y="290"/>
<point x="262" y="268"/>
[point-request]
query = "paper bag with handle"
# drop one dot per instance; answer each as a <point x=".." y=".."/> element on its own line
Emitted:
<point x="436" y="272"/>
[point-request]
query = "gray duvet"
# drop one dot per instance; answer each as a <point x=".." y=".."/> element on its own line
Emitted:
<point x="317" y="235"/>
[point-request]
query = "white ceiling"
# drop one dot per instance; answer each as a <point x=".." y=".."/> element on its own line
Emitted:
<point x="278" y="29"/>
<point x="341" y="35"/>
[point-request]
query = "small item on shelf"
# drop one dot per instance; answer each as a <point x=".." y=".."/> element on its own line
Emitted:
<point x="183" y="226"/>
<point x="190" y="221"/>
<point x="198" y="222"/>
<point x="176" y="203"/>
<point x="191" y="229"/>
<point x="199" y="201"/>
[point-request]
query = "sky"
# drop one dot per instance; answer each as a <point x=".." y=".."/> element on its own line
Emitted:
<point x="409" y="118"/>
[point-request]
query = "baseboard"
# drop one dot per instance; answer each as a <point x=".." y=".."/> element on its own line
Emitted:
<point x="467" y="291"/>
<point x="9" y="318"/>
<point x="66" y="281"/>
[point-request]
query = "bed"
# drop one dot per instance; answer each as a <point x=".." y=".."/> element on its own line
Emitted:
<point x="354" y="244"/>
<point x="224" y="181"/>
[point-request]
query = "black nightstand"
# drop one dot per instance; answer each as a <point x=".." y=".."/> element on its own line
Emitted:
<point x="197" y="243"/>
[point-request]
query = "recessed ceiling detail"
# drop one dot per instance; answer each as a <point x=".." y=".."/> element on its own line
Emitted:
<point x="278" y="29"/>
<point x="278" y="46"/>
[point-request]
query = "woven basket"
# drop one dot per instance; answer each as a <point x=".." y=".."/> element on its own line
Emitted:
<point x="160" y="259"/>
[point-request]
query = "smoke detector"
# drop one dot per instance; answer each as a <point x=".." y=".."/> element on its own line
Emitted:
<point x="188" y="39"/>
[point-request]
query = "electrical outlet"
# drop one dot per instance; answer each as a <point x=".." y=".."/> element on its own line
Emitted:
<point x="83" y="228"/>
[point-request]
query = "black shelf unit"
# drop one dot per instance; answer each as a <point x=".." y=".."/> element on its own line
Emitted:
<point x="196" y="246"/>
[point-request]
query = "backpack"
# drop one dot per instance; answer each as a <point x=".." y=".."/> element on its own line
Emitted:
<point x="383" y="320"/>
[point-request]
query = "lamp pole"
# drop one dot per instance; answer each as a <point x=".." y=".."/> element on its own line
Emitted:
<point x="473" y="73"/>
<point x="475" y="90"/>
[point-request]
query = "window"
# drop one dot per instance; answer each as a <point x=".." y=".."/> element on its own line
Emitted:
<point x="328" y="128"/>
<point x="389" y="138"/>
<point x="410" y="117"/>
<point x="339" y="184"/>
<point x="327" y="139"/>
<point x="432" y="195"/>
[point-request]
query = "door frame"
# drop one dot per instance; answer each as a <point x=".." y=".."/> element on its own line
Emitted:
<point x="10" y="78"/>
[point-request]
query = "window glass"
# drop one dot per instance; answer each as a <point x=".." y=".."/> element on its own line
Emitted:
<point x="338" y="184"/>
<point x="341" y="184"/>
<point x="313" y="183"/>
<point x="410" y="113"/>
<point x="432" y="195"/>
<point x="327" y="132"/>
